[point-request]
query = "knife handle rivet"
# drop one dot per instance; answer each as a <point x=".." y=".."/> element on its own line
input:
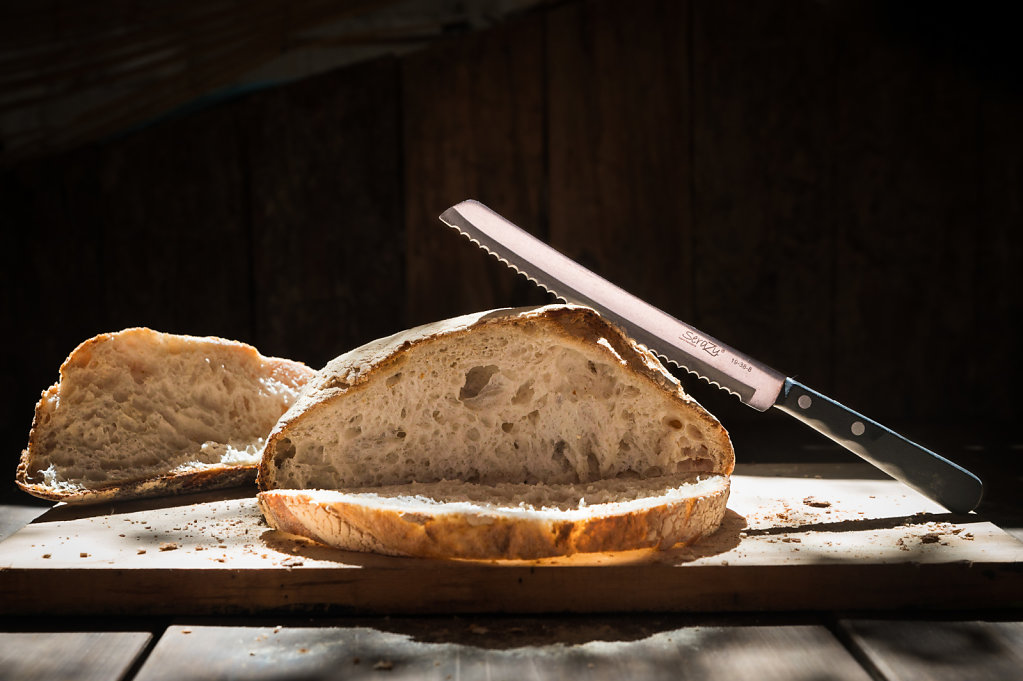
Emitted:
<point x="858" y="428"/>
<point x="804" y="401"/>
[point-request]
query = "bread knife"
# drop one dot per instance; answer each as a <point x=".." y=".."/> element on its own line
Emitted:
<point x="755" y="383"/>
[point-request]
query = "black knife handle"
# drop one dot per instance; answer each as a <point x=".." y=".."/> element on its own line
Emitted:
<point x="934" y="476"/>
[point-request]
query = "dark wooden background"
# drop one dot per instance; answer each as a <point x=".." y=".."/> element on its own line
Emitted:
<point x="833" y="187"/>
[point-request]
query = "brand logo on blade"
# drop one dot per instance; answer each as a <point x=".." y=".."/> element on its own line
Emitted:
<point x="696" y="340"/>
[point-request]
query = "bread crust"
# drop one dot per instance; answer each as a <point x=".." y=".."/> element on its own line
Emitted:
<point x="345" y="522"/>
<point x="199" y="478"/>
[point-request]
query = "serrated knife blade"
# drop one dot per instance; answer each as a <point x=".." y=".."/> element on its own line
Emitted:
<point x="755" y="383"/>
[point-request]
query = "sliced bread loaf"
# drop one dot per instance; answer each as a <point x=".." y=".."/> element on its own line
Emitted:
<point x="552" y="401"/>
<point x="142" y="413"/>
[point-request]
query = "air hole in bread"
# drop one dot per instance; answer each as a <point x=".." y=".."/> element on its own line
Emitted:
<point x="524" y="394"/>
<point x="476" y="379"/>
<point x="285" y="450"/>
<point x="559" y="458"/>
<point x="592" y="466"/>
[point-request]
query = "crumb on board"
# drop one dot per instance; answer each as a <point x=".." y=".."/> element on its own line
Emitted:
<point x="168" y="546"/>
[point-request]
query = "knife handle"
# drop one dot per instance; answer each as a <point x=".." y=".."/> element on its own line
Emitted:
<point x="935" y="477"/>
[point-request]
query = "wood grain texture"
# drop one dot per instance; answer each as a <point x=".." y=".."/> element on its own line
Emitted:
<point x="324" y="204"/>
<point x="473" y="128"/>
<point x="620" y="127"/>
<point x="89" y="656"/>
<point x="940" y="650"/>
<point x="906" y="141"/>
<point x="787" y="544"/>
<point x="173" y="253"/>
<point x="999" y="260"/>
<point x="484" y="649"/>
<point x="763" y="239"/>
<point x="52" y="282"/>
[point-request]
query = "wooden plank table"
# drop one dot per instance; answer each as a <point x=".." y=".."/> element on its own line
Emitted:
<point x="820" y="542"/>
<point x="803" y="521"/>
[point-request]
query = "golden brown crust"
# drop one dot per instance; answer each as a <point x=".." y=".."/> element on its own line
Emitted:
<point x="211" y="478"/>
<point x="343" y="522"/>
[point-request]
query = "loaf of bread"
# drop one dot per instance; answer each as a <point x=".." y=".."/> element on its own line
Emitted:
<point x="503" y="434"/>
<point x="142" y="413"/>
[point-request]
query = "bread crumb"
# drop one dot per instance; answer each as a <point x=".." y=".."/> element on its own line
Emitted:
<point x="46" y="555"/>
<point x="168" y="546"/>
<point x="816" y="503"/>
<point x="141" y="551"/>
<point x="83" y="554"/>
<point x="384" y="665"/>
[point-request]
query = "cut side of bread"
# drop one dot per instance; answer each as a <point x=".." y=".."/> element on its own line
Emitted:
<point x="552" y="399"/>
<point x="456" y="520"/>
<point x="141" y="413"/>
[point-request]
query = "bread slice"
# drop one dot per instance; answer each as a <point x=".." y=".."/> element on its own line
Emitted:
<point x="142" y="413"/>
<point x="505" y="520"/>
<point x="553" y="398"/>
